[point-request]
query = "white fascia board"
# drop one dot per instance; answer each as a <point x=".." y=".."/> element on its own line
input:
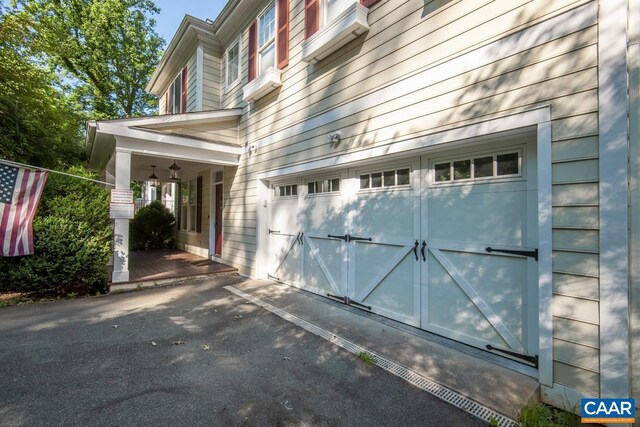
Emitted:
<point x="525" y="119"/>
<point x="167" y="139"/>
<point x="349" y="25"/>
<point x="613" y="103"/>
<point x="559" y="26"/>
<point x="179" y="119"/>
<point x="192" y="154"/>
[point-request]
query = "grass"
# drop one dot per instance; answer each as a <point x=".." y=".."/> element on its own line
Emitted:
<point x="541" y="415"/>
<point x="367" y="359"/>
<point x="9" y="299"/>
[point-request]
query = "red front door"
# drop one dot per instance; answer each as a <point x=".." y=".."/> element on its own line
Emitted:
<point x="218" y="223"/>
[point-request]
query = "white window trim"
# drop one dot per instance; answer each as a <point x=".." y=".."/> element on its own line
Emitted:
<point x="189" y="206"/>
<point x="520" y="176"/>
<point x="234" y="83"/>
<point x="350" y="24"/>
<point x="305" y="185"/>
<point x="272" y="39"/>
<point x="169" y="93"/>
<point x="286" y="184"/>
<point x="383" y="169"/>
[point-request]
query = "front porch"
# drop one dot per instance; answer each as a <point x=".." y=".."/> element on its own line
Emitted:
<point x="165" y="266"/>
<point x="200" y="146"/>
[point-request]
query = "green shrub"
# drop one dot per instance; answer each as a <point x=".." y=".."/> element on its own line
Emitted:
<point x="72" y="238"/>
<point x="153" y="228"/>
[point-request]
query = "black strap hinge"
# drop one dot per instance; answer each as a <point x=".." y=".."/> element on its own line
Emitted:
<point x="531" y="359"/>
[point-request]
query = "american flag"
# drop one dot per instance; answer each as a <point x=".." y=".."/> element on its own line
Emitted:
<point x="20" y="191"/>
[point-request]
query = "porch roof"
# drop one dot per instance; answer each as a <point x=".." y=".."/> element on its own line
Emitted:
<point x="203" y="137"/>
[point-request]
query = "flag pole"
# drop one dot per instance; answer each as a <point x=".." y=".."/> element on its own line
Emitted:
<point x="10" y="163"/>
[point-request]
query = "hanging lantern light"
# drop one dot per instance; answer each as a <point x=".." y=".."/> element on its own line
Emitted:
<point x="174" y="171"/>
<point x="153" y="178"/>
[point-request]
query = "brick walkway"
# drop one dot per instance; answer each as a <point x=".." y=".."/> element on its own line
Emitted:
<point x="165" y="264"/>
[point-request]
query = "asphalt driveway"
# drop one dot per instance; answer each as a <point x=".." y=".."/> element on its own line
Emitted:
<point x="191" y="355"/>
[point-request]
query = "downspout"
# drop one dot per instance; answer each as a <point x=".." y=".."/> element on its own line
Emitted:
<point x="633" y="55"/>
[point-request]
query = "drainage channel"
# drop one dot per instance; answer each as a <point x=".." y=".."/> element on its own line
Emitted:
<point x="424" y="383"/>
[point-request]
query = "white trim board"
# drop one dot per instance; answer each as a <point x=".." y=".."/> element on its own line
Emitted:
<point x="613" y="202"/>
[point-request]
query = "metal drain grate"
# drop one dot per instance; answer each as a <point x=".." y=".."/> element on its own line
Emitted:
<point x="449" y="396"/>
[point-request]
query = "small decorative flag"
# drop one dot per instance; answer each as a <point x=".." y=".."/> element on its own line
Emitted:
<point x="20" y="191"/>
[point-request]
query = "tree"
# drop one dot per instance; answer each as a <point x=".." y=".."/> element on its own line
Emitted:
<point x="108" y="48"/>
<point x="38" y="124"/>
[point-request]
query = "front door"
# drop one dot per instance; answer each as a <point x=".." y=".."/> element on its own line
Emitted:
<point x="218" y="219"/>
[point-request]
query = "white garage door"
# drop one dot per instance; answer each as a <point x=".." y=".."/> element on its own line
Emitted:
<point x="480" y="273"/>
<point x="444" y="243"/>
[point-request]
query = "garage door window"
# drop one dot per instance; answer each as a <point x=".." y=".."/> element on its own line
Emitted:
<point x="502" y="165"/>
<point x="285" y="190"/>
<point x="389" y="178"/>
<point x="324" y="186"/>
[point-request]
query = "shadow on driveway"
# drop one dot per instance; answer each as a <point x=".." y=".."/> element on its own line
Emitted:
<point x="217" y="360"/>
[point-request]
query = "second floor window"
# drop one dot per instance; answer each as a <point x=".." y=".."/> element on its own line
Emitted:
<point x="233" y="63"/>
<point x="267" y="39"/>
<point x="176" y="95"/>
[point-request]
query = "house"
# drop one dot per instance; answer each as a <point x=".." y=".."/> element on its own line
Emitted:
<point x="469" y="168"/>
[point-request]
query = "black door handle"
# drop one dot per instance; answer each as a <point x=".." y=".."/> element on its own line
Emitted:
<point x="424" y="245"/>
<point x="415" y="249"/>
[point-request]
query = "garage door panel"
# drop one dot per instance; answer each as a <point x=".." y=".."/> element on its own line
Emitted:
<point x="322" y="265"/>
<point x="323" y="215"/>
<point x="286" y="258"/>
<point x="498" y="281"/>
<point x="395" y="295"/>
<point x="386" y="216"/>
<point x="451" y="309"/>
<point x="458" y="214"/>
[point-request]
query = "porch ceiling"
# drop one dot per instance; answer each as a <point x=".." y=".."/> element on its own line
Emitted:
<point x="201" y="138"/>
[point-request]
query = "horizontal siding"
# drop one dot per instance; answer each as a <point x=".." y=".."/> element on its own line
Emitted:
<point x="211" y="81"/>
<point x="192" y="83"/>
<point x="406" y="38"/>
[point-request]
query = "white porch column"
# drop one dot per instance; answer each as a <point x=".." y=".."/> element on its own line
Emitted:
<point x="121" y="229"/>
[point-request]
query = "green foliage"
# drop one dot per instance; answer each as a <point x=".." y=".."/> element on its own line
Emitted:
<point x="541" y="415"/>
<point x="72" y="238"/>
<point x="367" y="359"/>
<point x="38" y="124"/>
<point x="153" y="228"/>
<point x="108" y="48"/>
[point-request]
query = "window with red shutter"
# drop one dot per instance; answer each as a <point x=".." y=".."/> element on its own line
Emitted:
<point x="368" y="3"/>
<point x="253" y="47"/>
<point x="183" y="108"/>
<point x="282" y="39"/>
<point x="311" y="17"/>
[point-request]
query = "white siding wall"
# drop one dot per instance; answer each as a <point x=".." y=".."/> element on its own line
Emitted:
<point x="211" y="80"/>
<point x="192" y="83"/>
<point x="528" y="69"/>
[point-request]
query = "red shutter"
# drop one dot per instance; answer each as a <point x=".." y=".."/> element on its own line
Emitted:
<point x="253" y="50"/>
<point x="368" y="3"/>
<point x="184" y="91"/>
<point x="282" y="40"/>
<point x="199" y="205"/>
<point x="311" y="17"/>
<point x="166" y="102"/>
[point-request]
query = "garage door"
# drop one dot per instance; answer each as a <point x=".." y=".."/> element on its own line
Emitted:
<point x="444" y="243"/>
<point x="480" y="272"/>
